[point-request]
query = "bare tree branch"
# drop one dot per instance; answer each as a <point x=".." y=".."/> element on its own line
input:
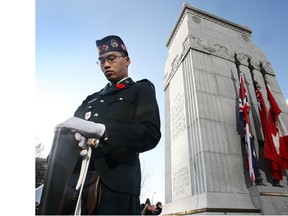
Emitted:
<point x="146" y="174"/>
<point x="39" y="147"/>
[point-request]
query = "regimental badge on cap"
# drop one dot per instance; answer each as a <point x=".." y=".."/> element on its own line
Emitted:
<point x="104" y="47"/>
<point x="114" y="43"/>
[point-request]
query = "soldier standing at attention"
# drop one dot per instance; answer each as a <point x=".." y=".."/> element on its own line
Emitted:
<point x="125" y="116"/>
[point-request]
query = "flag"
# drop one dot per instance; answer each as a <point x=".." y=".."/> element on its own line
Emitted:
<point x="277" y="128"/>
<point x="244" y="109"/>
<point x="270" y="152"/>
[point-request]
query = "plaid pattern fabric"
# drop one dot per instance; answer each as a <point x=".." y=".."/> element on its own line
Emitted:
<point x="103" y="48"/>
<point x="111" y="43"/>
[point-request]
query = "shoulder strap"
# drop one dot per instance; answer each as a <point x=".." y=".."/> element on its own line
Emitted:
<point x="146" y="81"/>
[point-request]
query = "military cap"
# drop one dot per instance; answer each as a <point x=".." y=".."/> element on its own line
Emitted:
<point x="111" y="43"/>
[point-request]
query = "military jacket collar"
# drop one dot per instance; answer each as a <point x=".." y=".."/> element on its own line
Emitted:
<point x="116" y="87"/>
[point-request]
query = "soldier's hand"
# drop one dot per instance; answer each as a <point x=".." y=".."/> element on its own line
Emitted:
<point x="88" y="129"/>
<point x="82" y="143"/>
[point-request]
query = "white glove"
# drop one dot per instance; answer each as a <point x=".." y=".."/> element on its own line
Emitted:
<point x="82" y="143"/>
<point x="86" y="128"/>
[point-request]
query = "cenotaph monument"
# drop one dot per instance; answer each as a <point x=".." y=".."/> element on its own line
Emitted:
<point x="205" y="154"/>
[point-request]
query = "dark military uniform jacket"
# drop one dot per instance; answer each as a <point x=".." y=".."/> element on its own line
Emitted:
<point x="130" y="113"/>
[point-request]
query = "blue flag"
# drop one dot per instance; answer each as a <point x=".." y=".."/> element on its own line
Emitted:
<point x="244" y="109"/>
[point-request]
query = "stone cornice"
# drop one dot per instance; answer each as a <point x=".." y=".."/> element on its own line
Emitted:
<point x="214" y="48"/>
<point x="188" y="9"/>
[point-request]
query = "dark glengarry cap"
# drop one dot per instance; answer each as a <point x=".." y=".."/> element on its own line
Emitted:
<point x="111" y="43"/>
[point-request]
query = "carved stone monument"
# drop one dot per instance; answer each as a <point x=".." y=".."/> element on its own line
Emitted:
<point x="205" y="161"/>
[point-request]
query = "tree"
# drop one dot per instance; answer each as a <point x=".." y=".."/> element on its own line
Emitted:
<point x="146" y="174"/>
<point x="39" y="147"/>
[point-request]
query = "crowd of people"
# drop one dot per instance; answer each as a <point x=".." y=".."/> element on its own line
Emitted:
<point x="149" y="209"/>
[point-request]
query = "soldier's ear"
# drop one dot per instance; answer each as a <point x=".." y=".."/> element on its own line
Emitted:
<point x="127" y="60"/>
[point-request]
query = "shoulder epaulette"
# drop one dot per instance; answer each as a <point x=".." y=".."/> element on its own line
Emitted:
<point x="146" y="81"/>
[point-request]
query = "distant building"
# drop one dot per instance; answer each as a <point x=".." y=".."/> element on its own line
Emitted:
<point x="40" y="171"/>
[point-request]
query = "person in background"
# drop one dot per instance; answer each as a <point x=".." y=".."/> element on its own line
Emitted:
<point x="149" y="210"/>
<point x="124" y="118"/>
<point x="142" y="208"/>
<point x="158" y="208"/>
<point x="36" y="207"/>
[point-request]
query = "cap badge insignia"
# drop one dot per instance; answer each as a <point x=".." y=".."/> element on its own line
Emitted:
<point x="114" y="43"/>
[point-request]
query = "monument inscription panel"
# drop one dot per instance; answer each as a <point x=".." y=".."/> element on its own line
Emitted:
<point x="178" y="118"/>
<point x="181" y="180"/>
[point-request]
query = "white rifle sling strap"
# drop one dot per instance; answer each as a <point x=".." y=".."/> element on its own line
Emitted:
<point x="82" y="177"/>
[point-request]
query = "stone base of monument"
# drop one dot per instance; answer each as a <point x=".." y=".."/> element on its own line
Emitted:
<point x="271" y="200"/>
<point x="262" y="200"/>
<point x="212" y="204"/>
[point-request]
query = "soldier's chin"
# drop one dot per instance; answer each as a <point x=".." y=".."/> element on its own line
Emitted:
<point x="109" y="77"/>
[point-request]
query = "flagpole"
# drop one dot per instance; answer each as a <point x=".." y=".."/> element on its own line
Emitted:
<point x="237" y="63"/>
<point x="263" y="72"/>
<point x="250" y="148"/>
<point x="259" y="179"/>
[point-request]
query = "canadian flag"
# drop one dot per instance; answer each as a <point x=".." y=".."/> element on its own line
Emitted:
<point x="277" y="128"/>
<point x="270" y="151"/>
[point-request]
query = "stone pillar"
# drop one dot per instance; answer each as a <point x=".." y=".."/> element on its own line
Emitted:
<point x="204" y="153"/>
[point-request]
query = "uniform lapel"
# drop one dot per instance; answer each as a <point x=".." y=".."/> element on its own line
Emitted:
<point x="124" y="84"/>
<point x="105" y="90"/>
<point x="116" y="87"/>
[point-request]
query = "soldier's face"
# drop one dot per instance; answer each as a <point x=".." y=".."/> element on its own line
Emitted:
<point x="114" y="65"/>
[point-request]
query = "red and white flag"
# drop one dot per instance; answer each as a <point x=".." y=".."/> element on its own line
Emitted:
<point x="277" y="128"/>
<point x="270" y="151"/>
